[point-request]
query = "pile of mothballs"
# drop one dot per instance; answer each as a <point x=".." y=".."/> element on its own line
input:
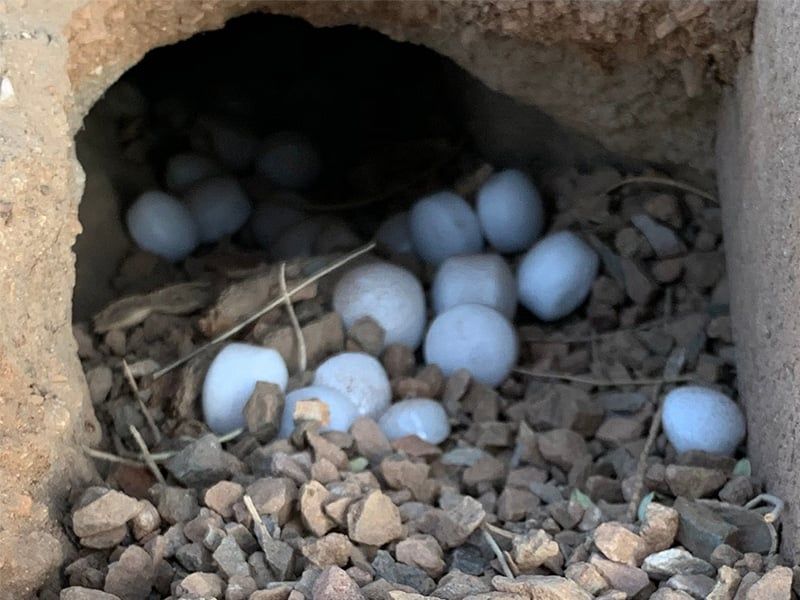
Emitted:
<point x="474" y="293"/>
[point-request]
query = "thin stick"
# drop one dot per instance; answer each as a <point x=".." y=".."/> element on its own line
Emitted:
<point x="681" y="185"/>
<point x="262" y="533"/>
<point x="99" y="454"/>
<point x="641" y="466"/>
<point x="142" y="406"/>
<point x="600" y="382"/>
<point x="777" y="506"/>
<point x="302" y="360"/>
<point x="148" y="460"/>
<point x="499" y="531"/>
<point x="498" y="553"/>
<point x="271" y="306"/>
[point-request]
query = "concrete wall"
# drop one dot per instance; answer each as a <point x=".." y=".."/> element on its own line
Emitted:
<point x="758" y="158"/>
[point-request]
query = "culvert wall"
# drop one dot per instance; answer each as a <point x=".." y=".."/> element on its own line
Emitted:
<point x="646" y="81"/>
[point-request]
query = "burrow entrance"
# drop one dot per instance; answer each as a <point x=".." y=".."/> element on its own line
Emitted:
<point x="539" y="467"/>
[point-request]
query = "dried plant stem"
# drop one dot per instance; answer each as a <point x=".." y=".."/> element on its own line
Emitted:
<point x="302" y="359"/>
<point x="261" y="531"/>
<point x="641" y="466"/>
<point x="142" y="406"/>
<point x="681" y="185"/>
<point x="99" y="454"/>
<point x="148" y="459"/>
<point x="501" y="558"/>
<point x="777" y="504"/>
<point x="271" y="306"/>
<point x="588" y="380"/>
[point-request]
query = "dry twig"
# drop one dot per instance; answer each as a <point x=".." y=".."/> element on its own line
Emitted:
<point x="271" y="306"/>
<point x="597" y="382"/>
<point x="100" y="455"/>
<point x="142" y="406"/>
<point x="302" y="359"/>
<point x="261" y="531"/>
<point x="498" y="553"/>
<point x="681" y="185"/>
<point x="147" y="457"/>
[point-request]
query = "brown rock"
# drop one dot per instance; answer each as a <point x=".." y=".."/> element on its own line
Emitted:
<point x="131" y="577"/>
<point x="273" y="496"/>
<point x="694" y="482"/>
<point x="616" y="431"/>
<point x="100" y="380"/>
<point x="562" y="447"/>
<point x="404" y="474"/>
<point x="421" y="551"/>
<point x="368" y="335"/>
<point x="725" y="555"/>
<point x="728" y="580"/>
<point x="777" y="583"/>
<point x="515" y="503"/>
<point x="626" y="578"/>
<point x="374" y="520"/>
<point x="660" y="526"/>
<point x="327" y="450"/>
<point x="587" y="576"/>
<point x="264" y="411"/>
<point x="332" y="549"/>
<point x="110" y="511"/>
<point x="334" y="584"/>
<point x="146" y="521"/>
<point x="639" y="286"/>
<point x="666" y="593"/>
<point x="398" y="360"/>
<point x="485" y="470"/>
<point x="697" y="586"/>
<point x="619" y="544"/>
<point x="324" y="471"/>
<point x="83" y="593"/>
<point x="454" y="523"/>
<point x="370" y="441"/>
<point x="534" y="549"/>
<point x="313" y="496"/>
<point x="176" y="504"/>
<point x="541" y="587"/>
<point x="668" y="270"/>
<point x="737" y="491"/>
<point x="221" y="497"/>
<point x="564" y="407"/>
<point x="200" y="585"/>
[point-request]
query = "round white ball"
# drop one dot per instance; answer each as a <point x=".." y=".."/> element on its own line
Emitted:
<point x="163" y="225"/>
<point x="343" y="412"/>
<point x="231" y="379"/>
<point x="510" y="211"/>
<point x="444" y="225"/>
<point x="556" y="275"/>
<point x="473" y="337"/>
<point x="361" y="378"/>
<point x="185" y="170"/>
<point x="422" y="417"/>
<point x="394" y="234"/>
<point x="220" y="207"/>
<point x="289" y="160"/>
<point x="273" y="217"/>
<point x="475" y="279"/>
<point x="700" y="418"/>
<point x="389" y="294"/>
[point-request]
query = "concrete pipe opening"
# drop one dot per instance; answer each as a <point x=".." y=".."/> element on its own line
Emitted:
<point x="313" y="132"/>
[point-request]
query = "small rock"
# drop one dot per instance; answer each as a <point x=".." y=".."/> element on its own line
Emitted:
<point x="737" y="491"/>
<point x="666" y="593"/>
<point x="630" y="580"/>
<point x="374" y="520"/>
<point x="100" y="380"/>
<point x="620" y="544"/>
<point x="332" y="549"/>
<point x="675" y="561"/>
<point x="457" y="585"/>
<point x="404" y="474"/>
<point x="194" y="557"/>
<point x="697" y="586"/>
<point x="745" y="584"/>
<point x="694" y="482"/>
<point x="273" y="496"/>
<point x="660" y="526"/>
<point x="264" y="411"/>
<point x="200" y="463"/>
<point x="727" y="583"/>
<point x="421" y="551"/>
<point x="639" y="286"/>
<point x="370" y="440"/>
<point x="398" y="360"/>
<point x="562" y="447"/>
<point x="588" y="577"/>
<point x="230" y="559"/>
<point x="131" y="577"/>
<point x="534" y="549"/>
<point x="108" y="512"/>
<point x="515" y="503"/>
<point x="487" y="470"/>
<point x="541" y="587"/>
<point x="615" y="431"/>
<point x="777" y="583"/>
<point x="323" y="449"/>
<point x="451" y="526"/>
<point x="415" y="578"/>
<point x="665" y="208"/>
<point x="147" y="521"/>
<point x="240" y="587"/>
<point x="368" y="335"/>
<point x="222" y="496"/>
<point x="621" y="402"/>
<point x="725" y="555"/>
<point x="279" y="556"/>
<point x="334" y="584"/>
<point x="83" y="593"/>
<point x="312" y="497"/>
<point x="701" y="530"/>
<point x="176" y="505"/>
<point x="200" y="585"/>
<point x="564" y="407"/>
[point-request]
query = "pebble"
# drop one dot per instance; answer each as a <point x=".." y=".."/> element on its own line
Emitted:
<point x="163" y="225"/>
<point x="422" y="417"/>
<point x="200" y="463"/>
<point x="700" y="418"/>
<point x="694" y="482"/>
<point x="777" y="583"/>
<point x="562" y="447"/>
<point x="444" y="225"/>
<point x="200" y="585"/>
<point x="472" y="337"/>
<point x="510" y="211"/>
<point x="587" y="576"/>
<point x="342" y="413"/>
<point x="84" y="593"/>
<point x="185" y="170"/>
<point x="556" y="275"/>
<point x="130" y="577"/>
<point x="541" y="586"/>
<point x="221" y="497"/>
<point x="231" y="380"/>
<point x="110" y="511"/>
<point x="475" y="279"/>
<point x="675" y="561"/>
<point x="535" y="549"/>
<point x="361" y="378"/>
<point x="394" y="234"/>
<point x="264" y="410"/>
<point x="374" y="520"/>
<point x="660" y="526"/>
<point x="274" y="216"/>
<point x="620" y="544"/>
<point x="626" y="578"/>
<point x="219" y="206"/>
<point x="290" y="160"/>
<point x="390" y="295"/>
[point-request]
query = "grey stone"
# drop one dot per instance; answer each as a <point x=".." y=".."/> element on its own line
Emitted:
<point x="663" y="240"/>
<point x="200" y="463"/>
<point x="675" y="561"/>
<point x="697" y="586"/>
<point x="700" y="529"/>
<point x="334" y="584"/>
<point x="83" y="593"/>
<point x="131" y="577"/>
<point x="230" y="558"/>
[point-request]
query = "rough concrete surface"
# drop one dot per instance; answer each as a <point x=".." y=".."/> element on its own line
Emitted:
<point x="758" y="155"/>
<point x="642" y="77"/>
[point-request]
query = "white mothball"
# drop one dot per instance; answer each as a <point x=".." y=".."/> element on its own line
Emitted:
<point x="394" y="234"/>
<point x="556" y="275"/>
<point x="701" y="418"/>
<point x="444" y="225"/>
<point x="473" y="337"/>
<point x="289" y="160"/>
<point x="475" y="279"/>
<point x="220" y="207"/>
<point x="184" y="170"/>
<point x="231" y="379"/>
<point x="342" y="411"/>
<point x="389" y="294"/>
<point x="510" y="211"/>
<point x="422" y="417"/>
<point x="163" y="225"/>
<point x="361" y="378"/>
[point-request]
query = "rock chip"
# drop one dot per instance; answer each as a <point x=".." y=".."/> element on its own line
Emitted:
<point x="534" y="549"/>
<point x="562" y="447"/>
<point x="100" y="380"/>
<point x="230" y="558"/>
<point x="334" y="584"/>
<point x="200" y="585"/>
<point x="370" y="440"/>
<point x="175" y="504"/>
<point x="83" y="593"/>
<point x="697" y="586"/>
<point x="541" y="587"/>
<point x="694" y="482"/>
<point x="457" y="585"/>
<point x="660" y="526"/>
<point x="110" y="511"/>
<point x="131" y="577"/>
<point x="619" y="544"/>
<point x="777" y="583"/>
<point x="701" y="530"/>
<point x="727" y="583"/>
<point x="587" y="576"/>
<point x="332" y="549"/>
<point x="421" y="551"/>
<point x="675" y="561"/>
<point x="264" y="411"/>
<point x="630" y="580"/>
<point x="453" y="524"/>
<point x="374" y="520"/>
<point x="201" y="463"/>
<point x="221" y="497"/>
<point x="273" y="496"/>
<point x="313" y="496"/>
